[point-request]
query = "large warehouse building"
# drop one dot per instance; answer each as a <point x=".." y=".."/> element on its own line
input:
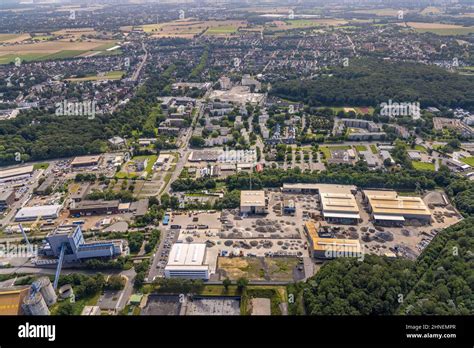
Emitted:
<point x="253" y="202"/>
<point x="388" y="208"/>
<point x="187" y="261"/>
<point x="330" y="248"/>
<point x="85" y="161"/>
<point x="18" y="173"/>
<point x="44" y="212"/>
<point x="99" y="207"/>
<point x="338" y="204"/>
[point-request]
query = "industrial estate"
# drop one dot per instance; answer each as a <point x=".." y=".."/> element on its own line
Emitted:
<point x="240" y="159"/>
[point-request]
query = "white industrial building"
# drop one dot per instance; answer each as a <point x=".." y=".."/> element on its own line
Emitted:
<point x="14" y="174"/>
<point x="253" y="202"/>
<point x="44" y="212"/>
<point x="187" y="261"/>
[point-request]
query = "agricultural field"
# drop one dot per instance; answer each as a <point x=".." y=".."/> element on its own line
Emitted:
<point x="439" y="28"/>
<point x="189" y="28"/>
<point x="222" y="30"/>
<point x="12" y="38"/>
<point x="304" y="23"/>
<point x="382" y="12"/>
<point x="48" y="50"/>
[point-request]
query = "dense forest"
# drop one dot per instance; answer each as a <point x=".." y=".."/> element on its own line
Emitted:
<point x="367" y="82"/>
<point x="441" y="281"/>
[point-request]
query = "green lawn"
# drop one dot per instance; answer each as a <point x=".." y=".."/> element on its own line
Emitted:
<point x="226" y="29"/>
<point x="111" y="75"/>
<point x="360" y="148"/>
<point x="219" y="290"/>
<point x="423" y="166"/>
<point x="373" y="148"/>
<point x="40" y="166"/>
<point x="420" y="148"/>
<point x="468" y="160"/>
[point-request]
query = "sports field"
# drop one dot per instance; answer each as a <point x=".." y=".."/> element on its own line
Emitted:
<point x="111" y="75"/>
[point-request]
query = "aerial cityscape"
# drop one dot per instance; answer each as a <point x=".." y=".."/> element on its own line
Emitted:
<point x="235" y="157"/>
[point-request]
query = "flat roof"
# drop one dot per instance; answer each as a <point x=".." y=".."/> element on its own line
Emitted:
<point x="39" y="211"/>
<point x="5" y="194"/>
<point x="338" y="203"/>
<point x="7" y="173"/>
<point x="320" y="187"/>
<point x="184" y="254"/>
<point x="312" y="230"/>
<point x="252" y="198"/>
<point x="389" y="203"/>
<point x="337" y="245"/>
<point x="85" y="160"/>
<point x="10" y="300"/>
<point x="96" y="204"/>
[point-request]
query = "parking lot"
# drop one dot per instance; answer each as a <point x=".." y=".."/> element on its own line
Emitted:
<point x="160" y="258"/>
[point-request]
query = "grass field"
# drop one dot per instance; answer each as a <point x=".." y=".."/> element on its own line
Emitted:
<point x="420" y="148"/>
<point x="360" y="110"/>
<point x="423" y="166"/>
<point x="12" y="38"/>
<point x="50" y="50"/>
<point x="40" y="166"/>
<point x="380" y="12"/>
<point x="111" y="75"/>
<point x="304" y="23"/>
<point x="360" y="148"/>
<point x="190" y="27"/>
<point x="468" y="160"/>
<point x="222" y="30"/>
<point x="374" y="149"/>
